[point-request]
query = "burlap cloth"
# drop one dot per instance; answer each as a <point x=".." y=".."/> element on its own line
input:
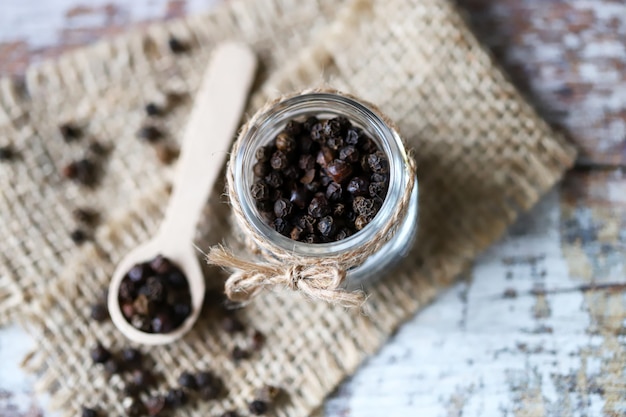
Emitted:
<point x="483" y="156"/>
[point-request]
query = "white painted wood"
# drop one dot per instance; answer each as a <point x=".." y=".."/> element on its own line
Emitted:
<point x="488" y="346"/>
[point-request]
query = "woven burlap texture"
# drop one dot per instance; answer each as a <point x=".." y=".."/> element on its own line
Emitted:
<point x="482" y="154"/>
<point x="104" y="88"/>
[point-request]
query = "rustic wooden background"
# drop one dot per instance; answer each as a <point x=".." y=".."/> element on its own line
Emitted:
<point x="538" y="328"/>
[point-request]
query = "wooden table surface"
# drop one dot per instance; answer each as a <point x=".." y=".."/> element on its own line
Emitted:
<point x="538" y="327"/>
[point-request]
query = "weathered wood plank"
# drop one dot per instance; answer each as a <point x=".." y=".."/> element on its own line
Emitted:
<point x="521" y="337"/>
<point x="569" y="56"/>
<point x="34" y="31"/>
<point x="594" y="243"/>
<point x="17" y="398"/>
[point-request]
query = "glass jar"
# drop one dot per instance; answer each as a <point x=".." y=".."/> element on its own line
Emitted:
<point x="264" y="127"/>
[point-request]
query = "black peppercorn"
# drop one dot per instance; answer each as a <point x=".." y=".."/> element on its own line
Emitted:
<point x="205" y="379"/>
<point x="258" y="407"/>
<point x="181" y="311"/>
<point x="367" y="145"/>
<point x="6" y="153"/>
<point x="377" y="189"/>
<point x="364" y="206"/>
<point x="339" y="210"/>
<point x="210" y="392"/>
<point x="310" y="122"/>
<point x="150" y="133"/>
<point x="285" y="142"/>
<point x="99" y="354"/>
<point x="361" y="221"/>
<point x="78" y="236"/>
<point x="239" y="353"/>
<point x="281" y="225"/>
<point x="353" y="135"/>
<point x="358" y="186"/>
<point x="97" y="148"/>
<point x="282" y="207"/>
<point x="142" y="377"/>
<point x="230" y="413"/>
<point x="311" y="238"/>
<point x="175" y="398"/>
<point x="307" y="223"/>
<point x="86" y="172"/>
<point x="166" y="153"/>
<point x="162" y="323"/>
<point x="257" y="340"/>
<point x="349" y="154"/>
<point x="153" y="109"/>
<point x="377" y="162"/>
<point x="132" y="390"/>
<point x="177" y="279"/>
<point x="86" y="216"/>
<point x="88" y="412"/>
<point x="339" y="170"/>
<point x="308" y="177"/>
<point x="318" y="206"/>
<point x="274" y="179"/>
<point x="112" y="366"/>
<point x="264" y="153"/>
<point x="70" y="132"/>
<point x="83" y="171"/>
<point x="325" y="156"/>
<point x="334" y="142"/>
<point x="291" y="173"/>
<point x="161" y="265"/>
<point x="317" y="133"/>
<point x="279" y="160"/>
<point x="326" y="226"/>
<point x="333" y="192"/>
<point x="293" y="128"/>
<point x="154" y="289"/>
<point x="261" y="169"/>
<point x="132" y="357"/>
<point x="99" y="312"/>
<point x="69" y="171"/>
<point x="127" y="290"/>
<point x="306" y="162"/>
<point x="296" y="233"/>
<point x="187" y="380"/>
<point x="140" y="322"/>
<point x="177" y="46"/>
<point x="342" y="233"/>
<point x="260" y="191"/>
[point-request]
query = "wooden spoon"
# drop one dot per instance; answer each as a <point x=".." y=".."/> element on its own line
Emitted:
<point x="212" y="125"/>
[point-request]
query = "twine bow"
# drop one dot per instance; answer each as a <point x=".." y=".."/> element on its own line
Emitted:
<point x="320" y="281"/>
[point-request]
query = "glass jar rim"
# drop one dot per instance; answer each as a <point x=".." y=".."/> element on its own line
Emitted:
<point x="386" y="137"/>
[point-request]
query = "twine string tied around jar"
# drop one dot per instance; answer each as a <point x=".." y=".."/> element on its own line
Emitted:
<point x="320" y="281"/>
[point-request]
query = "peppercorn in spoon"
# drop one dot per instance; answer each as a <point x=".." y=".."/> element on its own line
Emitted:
<point x="160" y="283"/>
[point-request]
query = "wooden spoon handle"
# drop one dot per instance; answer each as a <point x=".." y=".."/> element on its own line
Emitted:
<point x="210" y="130"/>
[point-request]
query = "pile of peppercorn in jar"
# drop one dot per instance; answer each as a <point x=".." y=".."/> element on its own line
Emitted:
<point x="320" y="180"/>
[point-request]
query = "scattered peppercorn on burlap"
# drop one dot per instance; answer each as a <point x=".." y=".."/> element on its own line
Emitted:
<point x="104" y="89"/>
<point x="482" y="155"/>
